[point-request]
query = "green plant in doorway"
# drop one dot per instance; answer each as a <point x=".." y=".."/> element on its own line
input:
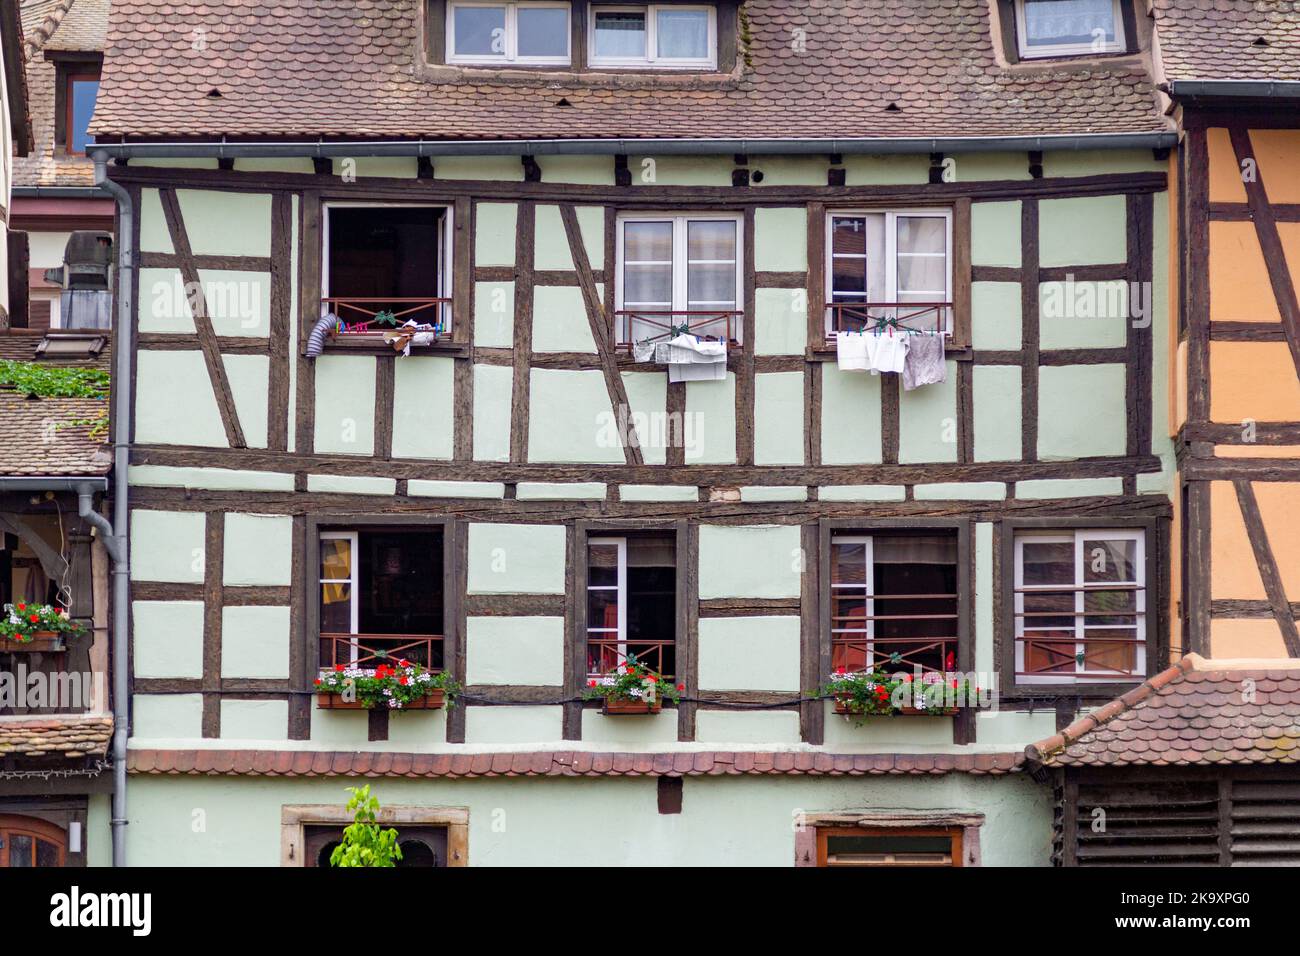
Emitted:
<point x="365" y="842"/>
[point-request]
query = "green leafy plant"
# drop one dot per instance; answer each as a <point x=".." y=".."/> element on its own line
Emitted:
<point x="387" y="685"/>
<point x="23" y="621"/>
<point x="365" y="842"/>
<point x="54" y="381"/>
<point x="385" y="317"/>
<point x="877" y="693"/>
<point x="633" y="681"/>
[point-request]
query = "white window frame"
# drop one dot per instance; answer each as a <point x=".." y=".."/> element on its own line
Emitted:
<point x="1078" y="536"/>
<point x="442" y="258"/>
<point x="868" y="587"/>
<point x="891" y="253"/>
<point x="679" y="261"/>
<point x="354" y="543"/>
<point x="511" y="53"/>
<point x="652" y="60"/>
<point x="1028" y="52"/>
<point x="620" y="587"/>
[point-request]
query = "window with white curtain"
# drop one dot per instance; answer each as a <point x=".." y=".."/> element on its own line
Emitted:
<point x="529" y="33"/>
<point x="1068" y="27"/>
<point x="659" y="36"/>
<point x="889" y="263"/>
<point x="675" y="269"/>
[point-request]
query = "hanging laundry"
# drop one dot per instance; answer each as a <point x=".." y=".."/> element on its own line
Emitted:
<point x="852" y="351"/>
<point x="890" y="353"/>
<point x="643" y="351"/>
<point x="924" y="364"/>
<point x="411" y="333"/>
<point x="691" y="359"/>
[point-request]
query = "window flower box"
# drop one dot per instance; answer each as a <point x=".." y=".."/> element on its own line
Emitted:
<point x="877" y="694"/>
<point x="400" y="686"/>
<point x="32" y="628"/>
<point x="632" y="689"/>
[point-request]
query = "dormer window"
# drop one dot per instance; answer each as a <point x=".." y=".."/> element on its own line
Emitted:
<point x="508" y="33"/>
<point x="1052" y="28"/>
<point x="653" y="36"/>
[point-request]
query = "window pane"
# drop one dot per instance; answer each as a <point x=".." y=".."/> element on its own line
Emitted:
<point x="602" y="612"/>
<point x="711" y="286"/>
<point x="1053" y="22"/>
<point x="711" y="240"/>
<point x="543" y="32"/>
<point x="20" y="850"/>
<point x="1110" y="607"/>
<point x="849" y="235"/>
<point x="336" y="609"/>
<point x="922" y="274"/>
<point x="1118" y="655"/>
<point x="648" y="241"/>
<point x="922" y="234"/>
<point x="683" y="34"/>
<point x="849" y="563"/>
<point x="1048" y="562"/>
<point x="1111" y="561"/>
<point x="83" y="105"/>
<point x="480" y="31"/>
<point x="47" y="853"/>
<point x="335" y="559"/>
<point x="1045" y="656"/>
<point x="1048" y="610"/>
<point x="849" y="610"/>
<point x="602" y="566"/>
<point x="620" y="34"/>
<point x="648" y="286"/>
<point x="849" y="276"/>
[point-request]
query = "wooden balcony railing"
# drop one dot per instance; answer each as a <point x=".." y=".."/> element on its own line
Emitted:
<point x="659" y="326"/>
<point x="368" y="651"/>
<point x="864" y="316"/>
<point x="1097" y="643"/>
<point x="605" y="655"/>
<point x="857" y="643"/>
<point x="358" y="316"/>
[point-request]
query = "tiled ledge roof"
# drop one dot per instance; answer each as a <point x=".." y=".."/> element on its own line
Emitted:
<point x="1189" y="715"/>
<point x="563" y="763"/>
<point x="821" y="69"/>
<point x="1229" y="39"/>
<point x="55" y="735"/>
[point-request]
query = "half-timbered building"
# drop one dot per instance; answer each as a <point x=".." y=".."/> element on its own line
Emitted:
<point x="530" y="483"/>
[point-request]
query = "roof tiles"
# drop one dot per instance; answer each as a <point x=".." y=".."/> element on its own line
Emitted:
<point x="1229" y="39"/>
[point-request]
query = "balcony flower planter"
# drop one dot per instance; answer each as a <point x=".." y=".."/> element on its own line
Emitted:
<point x="40" y="642"/>
<point x="632" y="689"/>
<point x="399" y="686"/>
<point x="431" y="701"/>
<point x="33" y="628"/>
<point x="877" y="694"/>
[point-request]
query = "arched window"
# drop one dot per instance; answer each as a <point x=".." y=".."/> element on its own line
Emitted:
<point x="27" y="841"/>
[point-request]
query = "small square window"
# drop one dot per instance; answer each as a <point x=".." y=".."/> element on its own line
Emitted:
<point x="507" y="33"/>
<point x="632" y="602"/>
<point x="1046" y="28"/>
<point x="654" y="36"/>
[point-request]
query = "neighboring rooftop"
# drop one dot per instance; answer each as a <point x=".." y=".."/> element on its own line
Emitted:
<point x="1229" y="39"/>
<point x="56" y="735"/>
<point x="52" y="27"/>
<point x="1197" y="713"/>
<point x="348" y="69"/>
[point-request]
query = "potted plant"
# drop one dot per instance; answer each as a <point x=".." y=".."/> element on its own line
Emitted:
<point x="632" y="689"/>
<point x="36" y="627"/>
<point x="863" y="694"/>
<point x="403" y="686"/>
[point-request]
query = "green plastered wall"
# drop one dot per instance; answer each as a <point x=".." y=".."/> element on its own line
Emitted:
<point x="647" y="397"/>
<point x="712" y="408"/>
<point x="750" y="561"/>
<point x="778" y="418"/>
<point x="174" y="403"/>
<point x="258" y="550"/>
<point x="167" y="546"/>
<point x="345" y="403"/>
<point x="422" y="399"/>
<point x="516" y="558"/>
<point x="551" y="250"/>
<point x="560" y="322"/>
<point x="1087" y="230"/>
<point x="249" y="378"/>
<point x="255" y="643"/>
<point x="569" y="416"/>
<point x="749" y="653"/>
<point x="222" y="223"/>
<point x="996" y="412"/>
<point x="995" y="314"/>
<point x="494" y="314"/>
<point x="168" y="638"/>
<point x="492" y="391"/>
<point x="927" y="421"/>
<point x="850" y="417"/>
<point x="737" y="821"/>
<point x="514" y="650"/>
<point x="1081" y="411"/>
<point x="780" y="321"/>
<point x="494" y="233"/>
<point x="780" y="239"/>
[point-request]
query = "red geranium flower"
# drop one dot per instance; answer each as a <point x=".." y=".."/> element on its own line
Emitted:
<point x="339" y="668"/>
<point x="34" y="618"/>
<point x="317" y="681"/>
<point x="22" y="607"/>
<point x="681" y="686"/>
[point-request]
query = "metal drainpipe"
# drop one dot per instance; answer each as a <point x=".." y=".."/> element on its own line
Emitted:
<point x="121" y="459"/>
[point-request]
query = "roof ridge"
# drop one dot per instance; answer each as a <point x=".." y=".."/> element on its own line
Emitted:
<point x="1039" y="753"/>
<point x="49" y="26"/>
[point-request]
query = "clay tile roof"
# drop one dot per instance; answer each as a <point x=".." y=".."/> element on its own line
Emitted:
<point x="354" y="69"/>
<point x="55" y="735"/>
<point x="1229" y="39"/>
<point x="1192" y="714"/>
<point x="547" y="763"/>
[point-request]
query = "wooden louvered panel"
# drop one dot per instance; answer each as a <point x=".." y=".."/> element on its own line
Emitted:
<point x="1265" y="825"/>
<point x="1155" y="824"/>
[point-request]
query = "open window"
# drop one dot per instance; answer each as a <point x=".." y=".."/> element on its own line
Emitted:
<point x="422" y="847"/>
<point x="632" y="601"/>
<point x="76" y="89"/>
<point x="890" y="266"/>
<point x="381" y="597"/>
<point x="1080" y="606"/>
<point x="679" y="273"/>
<point x="532" y="33"/>
<point x="386" y="265"/>
<point x="894" y="601"/>
<point x="1057" y="28"/>
<point x="653" y="36"/>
